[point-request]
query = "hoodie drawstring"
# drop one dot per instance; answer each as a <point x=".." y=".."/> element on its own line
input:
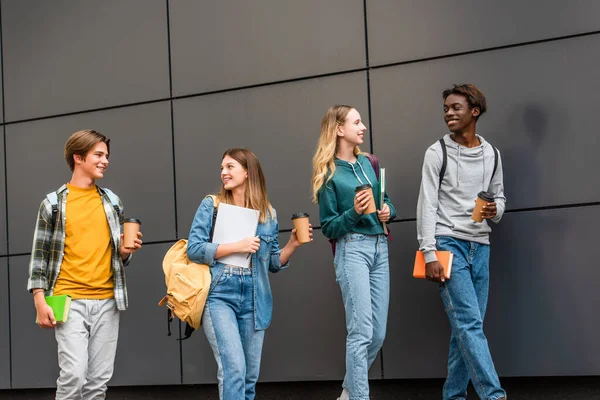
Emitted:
<point x="483" y="147"/>
<point x="365" y="175"/>
<point x="363" y="172"/>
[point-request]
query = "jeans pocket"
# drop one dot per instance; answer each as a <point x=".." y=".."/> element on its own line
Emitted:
<point x="217" y="275"/>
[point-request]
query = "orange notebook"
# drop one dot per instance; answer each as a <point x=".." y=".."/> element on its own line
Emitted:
<point x="444" y="257"/>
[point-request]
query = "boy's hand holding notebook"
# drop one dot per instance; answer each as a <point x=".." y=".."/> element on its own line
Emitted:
<point x="444" y="257"/>
<point x="60" y="306"/>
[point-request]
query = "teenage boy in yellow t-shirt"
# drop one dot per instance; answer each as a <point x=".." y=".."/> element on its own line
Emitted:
<point x="82" y="256"/>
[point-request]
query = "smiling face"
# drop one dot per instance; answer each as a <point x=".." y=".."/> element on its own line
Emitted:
<point x="459" y="117"/>
<point x="95" y="162"/>
<point x="233" y="175"/>
<point x="352" y="130"/>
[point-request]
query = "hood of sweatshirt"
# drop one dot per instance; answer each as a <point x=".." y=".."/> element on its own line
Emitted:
<point x="469" y="160"/>
<point x="354" y="173"/>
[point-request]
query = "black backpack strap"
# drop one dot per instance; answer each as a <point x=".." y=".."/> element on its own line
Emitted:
<point x="169" y="320"/>
<point x="445" y="161"/>
<point x="495" y="161"/>
<point x="188" y="331"/>
<point x="54" y="213"/>
<point x="214" y="219"/>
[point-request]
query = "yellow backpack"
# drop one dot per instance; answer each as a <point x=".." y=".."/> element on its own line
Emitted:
<point x="188" y="284"/>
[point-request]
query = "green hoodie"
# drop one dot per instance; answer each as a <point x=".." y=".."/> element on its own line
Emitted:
<point x="336" y="200"/>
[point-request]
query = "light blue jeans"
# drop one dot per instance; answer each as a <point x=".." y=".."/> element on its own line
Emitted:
<point x="465" y="297"/>
<point x="228" y="322"/>
<point x="87" y="344"/>
<point x="363" y="273"/>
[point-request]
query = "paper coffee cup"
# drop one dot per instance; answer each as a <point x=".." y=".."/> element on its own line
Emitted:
<point x="371" y="208"/>
<point x="482" y="199"/>
<point x="131" y="227"/>
<point x="301" y="224"/>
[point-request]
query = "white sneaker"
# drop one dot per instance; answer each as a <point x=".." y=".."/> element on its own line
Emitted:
<point x="345" y="395"/>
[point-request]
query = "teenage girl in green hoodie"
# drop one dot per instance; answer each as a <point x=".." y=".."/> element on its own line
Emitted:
<point x="361" y="248"/>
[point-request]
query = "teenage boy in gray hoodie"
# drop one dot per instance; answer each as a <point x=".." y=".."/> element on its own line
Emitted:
<point x="446" y="201"/>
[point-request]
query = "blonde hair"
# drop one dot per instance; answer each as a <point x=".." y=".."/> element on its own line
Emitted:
<point x="256" y="188"/>
<point x="323" y="160"/>
<point x="81" y="142"/>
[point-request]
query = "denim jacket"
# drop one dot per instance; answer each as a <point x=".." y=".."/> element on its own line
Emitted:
<point x="266" y="259"/>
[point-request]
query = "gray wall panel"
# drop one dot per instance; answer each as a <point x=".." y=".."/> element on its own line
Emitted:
<point x="4" y="327"/>
<point x="216" y="45"/>
<point x="141" y="175"/>
<point x="199" y="366"/>
<point x="146" y="355"/>
<point x="1" y="91"/>
<point x="529" y="119"/>
<point x="307" y="337"/>
<point x="3" y="244"/>
<point x="543" y="310"/>
<point x="279" y="123"/>
<point x="28" y="340"/>
<point x="409" y="30"/>
<point x="416" y="345"/>
<point x="64" y="56"/>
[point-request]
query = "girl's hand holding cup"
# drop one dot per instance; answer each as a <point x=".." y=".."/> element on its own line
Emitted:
<point x="302" y="232"/>
<point x="363" y="200"/>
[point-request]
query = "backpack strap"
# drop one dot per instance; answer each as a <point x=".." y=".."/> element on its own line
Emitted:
<point x="114" y="200"/>
<point x="495" y="161"/>
<point x="444" y="161"/>
<point x="215" y="211"/>
<point x="188" y="331"/>
<point x="374" y="163"/>
<point x="53" y="199"/>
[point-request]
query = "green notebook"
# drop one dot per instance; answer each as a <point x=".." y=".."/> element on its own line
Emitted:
<point x="60" y="305"/>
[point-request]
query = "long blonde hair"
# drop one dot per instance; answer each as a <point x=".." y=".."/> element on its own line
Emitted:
<point x="323" y="160"/>
<point x="256" y="188"/>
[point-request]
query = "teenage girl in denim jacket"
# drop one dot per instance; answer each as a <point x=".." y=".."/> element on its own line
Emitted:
<point x="240" y="303"/>
<point x="361" y="257"/>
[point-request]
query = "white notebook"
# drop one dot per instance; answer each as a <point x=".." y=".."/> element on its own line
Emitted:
<point x="233" y="224"/>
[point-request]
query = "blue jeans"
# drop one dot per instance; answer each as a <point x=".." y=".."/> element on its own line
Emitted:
<point x="465" y="297"/>
<point x="363" y="273"/>
<point x="228" y="322"/>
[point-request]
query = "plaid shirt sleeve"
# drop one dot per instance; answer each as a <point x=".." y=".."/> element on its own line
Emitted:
<point x="41" y="249"/>
<point x="121" y="221"/>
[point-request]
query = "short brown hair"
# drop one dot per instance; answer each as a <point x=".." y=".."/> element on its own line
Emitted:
<point x="81" y="142"/>
<point x="475" y="99"/>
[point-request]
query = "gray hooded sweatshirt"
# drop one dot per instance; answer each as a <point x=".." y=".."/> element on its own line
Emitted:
<point x="446" y="210"/>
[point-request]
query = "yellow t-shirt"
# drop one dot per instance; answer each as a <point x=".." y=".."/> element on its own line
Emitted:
<point x="86" y="271"/>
